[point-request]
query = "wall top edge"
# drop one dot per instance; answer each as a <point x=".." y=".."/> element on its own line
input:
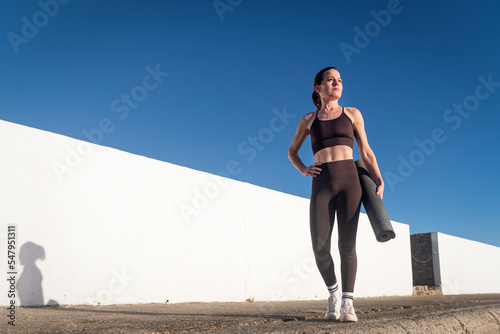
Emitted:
<point x="444" y="235"/>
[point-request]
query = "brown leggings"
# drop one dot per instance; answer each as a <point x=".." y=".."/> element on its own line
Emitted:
<point x="336" y="189"/>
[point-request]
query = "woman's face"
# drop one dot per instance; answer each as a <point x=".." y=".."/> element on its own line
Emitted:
<point x="331" y="86"/>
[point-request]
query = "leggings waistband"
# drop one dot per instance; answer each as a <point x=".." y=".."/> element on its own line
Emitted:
<point x="339" y="168"/>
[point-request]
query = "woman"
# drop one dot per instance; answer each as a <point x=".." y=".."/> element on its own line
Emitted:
<point x="335" y="185"/>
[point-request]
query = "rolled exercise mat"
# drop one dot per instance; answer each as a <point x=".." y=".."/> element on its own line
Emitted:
<point x="374" y="206"/>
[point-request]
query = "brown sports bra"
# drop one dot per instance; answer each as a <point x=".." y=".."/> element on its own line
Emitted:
<point x="333" y="132"/>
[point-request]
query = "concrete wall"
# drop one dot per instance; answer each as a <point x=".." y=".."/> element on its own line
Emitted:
<point x="464" y="266"/>
<point x="98" y="225"/>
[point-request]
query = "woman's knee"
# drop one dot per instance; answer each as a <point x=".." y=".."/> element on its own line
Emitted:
<point x="347" y="249"/>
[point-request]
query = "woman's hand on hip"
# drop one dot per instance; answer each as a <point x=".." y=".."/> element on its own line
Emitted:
<point x="312" y="170"/>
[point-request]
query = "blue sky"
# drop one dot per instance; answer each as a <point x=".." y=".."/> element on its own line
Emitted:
<point x="203" y="83"/>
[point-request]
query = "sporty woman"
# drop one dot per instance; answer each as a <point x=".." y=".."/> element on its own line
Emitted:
<point x="335" y="185"/>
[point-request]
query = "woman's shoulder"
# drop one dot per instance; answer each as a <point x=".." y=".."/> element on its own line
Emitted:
<point x="353" y="113"/>
<point x="308" y="119"/>
<point x="309" y="116"/>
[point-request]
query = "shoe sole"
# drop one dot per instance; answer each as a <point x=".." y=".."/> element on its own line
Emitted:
<point x="348" y="318"/>
<point x="332" y="317"/>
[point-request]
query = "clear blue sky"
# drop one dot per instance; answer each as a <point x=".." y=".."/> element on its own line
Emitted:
<point x="413" y="68"/>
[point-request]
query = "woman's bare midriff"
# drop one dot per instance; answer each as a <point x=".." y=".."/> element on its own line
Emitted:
<point x="334" y="153"/>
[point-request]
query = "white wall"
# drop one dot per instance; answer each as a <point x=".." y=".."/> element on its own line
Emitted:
<point x="465" y="266"/>
<point x="113" y="227"/>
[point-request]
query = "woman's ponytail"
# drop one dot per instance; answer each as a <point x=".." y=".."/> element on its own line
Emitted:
<point x="316" y="100"/>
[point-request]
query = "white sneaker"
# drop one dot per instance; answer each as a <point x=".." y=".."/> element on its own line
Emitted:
<point x="347" y="312"/>
<point x="333" y="311"/>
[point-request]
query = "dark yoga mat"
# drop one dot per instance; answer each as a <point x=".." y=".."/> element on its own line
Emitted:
<point x="374" y="206"/>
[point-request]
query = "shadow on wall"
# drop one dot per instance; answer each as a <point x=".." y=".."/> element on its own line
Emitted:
<point x="29" y="285"/>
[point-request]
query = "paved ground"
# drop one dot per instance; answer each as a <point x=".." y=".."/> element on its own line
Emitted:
<point x="414" y="314"/>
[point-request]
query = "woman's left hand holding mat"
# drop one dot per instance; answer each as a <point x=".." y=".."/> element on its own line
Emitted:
<point x="380" y="191"/>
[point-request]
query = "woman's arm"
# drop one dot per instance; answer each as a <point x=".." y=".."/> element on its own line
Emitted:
<point x="365" y="152"/>
<point x="297" y="141"/>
